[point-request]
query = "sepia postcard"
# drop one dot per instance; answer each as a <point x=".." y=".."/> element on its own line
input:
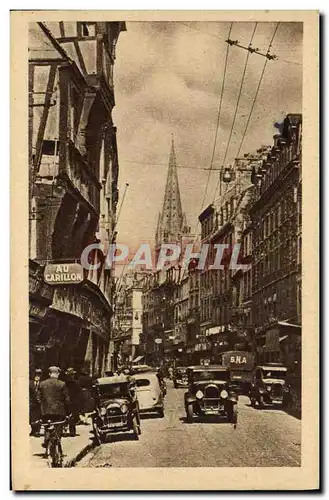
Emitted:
<point x="164" y="277"/>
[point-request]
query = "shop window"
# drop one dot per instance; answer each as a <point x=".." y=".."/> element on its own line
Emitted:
<point x="49" y="147"/>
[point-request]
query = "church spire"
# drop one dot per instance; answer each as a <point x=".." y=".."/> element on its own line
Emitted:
<point x="171" y="220"/>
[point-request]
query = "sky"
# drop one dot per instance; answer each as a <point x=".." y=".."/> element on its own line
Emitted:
<point x="168" y="80"/>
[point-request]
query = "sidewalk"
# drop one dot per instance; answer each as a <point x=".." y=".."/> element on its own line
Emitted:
<point x="74" y="448"/>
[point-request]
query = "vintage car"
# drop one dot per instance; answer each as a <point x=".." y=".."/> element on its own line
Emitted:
<point x="269" y="385"/>
<point x="116" y="407"/>
<point x="149" y="393"/>
<point x="180" y="377"/>
<point x="210" y="394"/>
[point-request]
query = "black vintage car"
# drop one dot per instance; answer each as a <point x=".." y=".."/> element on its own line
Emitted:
<point x="210" y="394"/>
<point x="117" y="408"/>
<point x="180" y="377"/>
<point x="269" y="386"/>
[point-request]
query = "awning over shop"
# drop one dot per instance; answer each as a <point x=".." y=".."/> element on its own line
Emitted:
<point x="214" y="330"/>
<point x="291" y="325"/>
<point x="139" y="358"/>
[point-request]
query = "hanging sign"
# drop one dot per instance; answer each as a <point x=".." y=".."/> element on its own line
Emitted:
<point x="60" y="274"/>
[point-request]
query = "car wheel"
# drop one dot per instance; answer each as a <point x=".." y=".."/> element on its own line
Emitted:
<point x="233" y="414"/>
<point x="261" y="402"/>
<point x="98" y="439"/>
<point x="136" y="429"/>
<point x="161" y="413"/>
<point x="189" y="413"/>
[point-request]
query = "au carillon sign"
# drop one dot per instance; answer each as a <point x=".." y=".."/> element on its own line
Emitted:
<point x="63" y="274"/>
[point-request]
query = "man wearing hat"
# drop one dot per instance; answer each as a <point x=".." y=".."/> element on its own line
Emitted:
<point x="53" y="397"/>
<point x="75" y="395"/>
<point x="35" y="413"/>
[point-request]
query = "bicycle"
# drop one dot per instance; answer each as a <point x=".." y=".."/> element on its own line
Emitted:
<point x="53" y="434"/>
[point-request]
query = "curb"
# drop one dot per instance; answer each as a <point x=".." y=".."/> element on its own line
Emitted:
<point x="72" y="461"/>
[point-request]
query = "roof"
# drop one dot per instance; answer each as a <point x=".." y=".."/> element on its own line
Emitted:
<point x="273" y="367"/>
<point x="116" y="379"/>
<point x="208" y="368"/>
<point x="139" y="376"/>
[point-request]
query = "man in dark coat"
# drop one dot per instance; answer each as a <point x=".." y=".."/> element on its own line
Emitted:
<point x="54" y="398"/>
<point x="86" y="384"/>
<point x="75" y="395"/>
<point x="35" y="411"/>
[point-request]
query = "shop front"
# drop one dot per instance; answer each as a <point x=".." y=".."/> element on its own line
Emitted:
<point x="69" y="324"/>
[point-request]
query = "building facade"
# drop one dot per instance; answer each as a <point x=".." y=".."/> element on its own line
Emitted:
<point x="73" y="173"/>
<point x="221" y="290"/>
<point x="127" y="329"/>
<point x="277" y="217"/>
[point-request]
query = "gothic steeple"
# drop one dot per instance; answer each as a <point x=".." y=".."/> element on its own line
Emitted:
<point x="171" y="221"/>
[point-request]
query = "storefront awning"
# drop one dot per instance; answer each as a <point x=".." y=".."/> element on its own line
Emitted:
<point x="291" y="325"/>
<point x="214" y="330"/>
<point x="139" y="358"/>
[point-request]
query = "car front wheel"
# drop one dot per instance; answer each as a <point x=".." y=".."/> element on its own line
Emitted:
<point x="233" y="414"/>
<point x="136" y="429"/>
<point x="261" y="402"/>
<point x="98" y="438"/>
<point x="189" y="413"/>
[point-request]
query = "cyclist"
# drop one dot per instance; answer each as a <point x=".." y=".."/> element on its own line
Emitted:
<point x="54" y="399"/>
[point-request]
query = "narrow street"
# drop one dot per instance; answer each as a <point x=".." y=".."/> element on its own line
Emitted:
<point x="263" y="438"/>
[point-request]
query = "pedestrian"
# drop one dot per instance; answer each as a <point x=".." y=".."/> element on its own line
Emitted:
<point x="35" y="411"/>
<point x="75" y="395"/>
<point x="85" y="382"/>
<point x="171" y="372"/>
<point x="54" y="399"/>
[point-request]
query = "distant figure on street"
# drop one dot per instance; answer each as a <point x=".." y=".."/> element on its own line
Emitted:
<point x="171" y="372"/>
<point x="54" y="398"/>
<point x="85" y="382"/>
<point x="76" y="399"/>
<point x="35" y="410"/>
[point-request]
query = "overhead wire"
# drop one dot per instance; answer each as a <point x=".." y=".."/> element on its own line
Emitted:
<point x="277" y="59"/>
<point x="257" y="91"/>
<point x="236" y="107"/>
<point x="218" y="120"/>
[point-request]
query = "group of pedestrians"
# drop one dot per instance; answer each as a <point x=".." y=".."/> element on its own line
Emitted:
<point x="61" y="395"/>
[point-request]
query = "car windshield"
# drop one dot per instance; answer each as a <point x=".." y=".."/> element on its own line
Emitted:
<point x="113" y="390"/>
<point x="274" y="373"/>
<point x="210" y="375"/>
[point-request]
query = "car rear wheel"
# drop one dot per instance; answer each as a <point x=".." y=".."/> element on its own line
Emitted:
<point x="189" y="413"/>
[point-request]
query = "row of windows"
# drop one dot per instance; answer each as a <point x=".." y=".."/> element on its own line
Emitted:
<point x="277" y="165"/>
<point x="218" y="219"/>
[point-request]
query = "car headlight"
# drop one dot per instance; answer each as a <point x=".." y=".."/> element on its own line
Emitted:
<point x="199" y="395"/>
<point x="102" y="411"/>
<point x="224" y="394"/>
<point x="124" y="408"/>
<point x="268" y="388"/>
